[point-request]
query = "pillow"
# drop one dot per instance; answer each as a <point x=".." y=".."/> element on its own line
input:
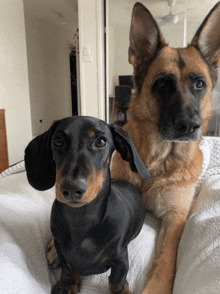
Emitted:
<point x="198" y="263"/>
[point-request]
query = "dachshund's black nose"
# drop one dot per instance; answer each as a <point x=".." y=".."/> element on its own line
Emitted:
<point x="74" y="189"/>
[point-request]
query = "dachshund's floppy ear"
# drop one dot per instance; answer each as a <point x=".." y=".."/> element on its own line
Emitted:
<point x="126" y="148"/>
<point x="39" y="163"/>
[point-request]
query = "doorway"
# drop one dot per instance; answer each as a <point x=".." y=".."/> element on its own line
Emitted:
<point x="73" y="81"/>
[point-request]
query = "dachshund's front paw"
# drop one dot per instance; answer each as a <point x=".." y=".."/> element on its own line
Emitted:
<point x="52" y="256"/>
<point x="124" y="290"/>
<point x="69" y="283"/>
<point x="72" y="289"/>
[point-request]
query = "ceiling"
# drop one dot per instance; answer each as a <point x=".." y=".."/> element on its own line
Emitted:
<point x="120" y="14"/>
<point x="65" y="13"/>
<point x="196" y="9"/>
<point x="62" y="12"/>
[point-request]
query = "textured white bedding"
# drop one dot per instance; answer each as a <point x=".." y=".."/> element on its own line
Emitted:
<point x="24" y="233"/>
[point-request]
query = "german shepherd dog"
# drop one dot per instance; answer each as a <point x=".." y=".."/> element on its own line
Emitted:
<point x="169" y="114"/>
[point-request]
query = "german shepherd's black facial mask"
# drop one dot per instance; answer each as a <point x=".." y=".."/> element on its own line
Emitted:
<point x="174" y="85"/>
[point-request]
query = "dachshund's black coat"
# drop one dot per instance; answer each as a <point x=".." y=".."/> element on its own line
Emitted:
<point x="93" y="217"/>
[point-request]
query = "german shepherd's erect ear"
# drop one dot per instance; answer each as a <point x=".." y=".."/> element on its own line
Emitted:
<point x="145" y="40"/>
<point x="145" y="35"/>
<point x="207" y="39"/>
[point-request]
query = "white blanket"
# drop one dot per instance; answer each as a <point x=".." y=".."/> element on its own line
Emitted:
<point x="24" y="233"/>
<point x="199" y="251"/>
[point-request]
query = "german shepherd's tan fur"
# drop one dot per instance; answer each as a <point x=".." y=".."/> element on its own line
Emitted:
<point x="169" y="114"/>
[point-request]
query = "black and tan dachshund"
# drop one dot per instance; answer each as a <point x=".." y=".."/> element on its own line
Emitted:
<point x="93" y="217"/>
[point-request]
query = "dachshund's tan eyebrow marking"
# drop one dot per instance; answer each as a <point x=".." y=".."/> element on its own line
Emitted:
<point x="67" y="132"/>
<point x="92" y="134"/>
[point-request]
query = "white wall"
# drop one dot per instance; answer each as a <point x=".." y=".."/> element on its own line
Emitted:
<point x="216" y="95"/>
<point x="48" y="65"/>
<point x="118" y="55"/>
<point x="49" y="71"/>
<point x="14" y="91"/>
<point x="92" y="79"/>
<point x="48" y="62"/>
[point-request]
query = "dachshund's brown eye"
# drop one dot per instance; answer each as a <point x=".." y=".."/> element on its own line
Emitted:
<point x="100" y="142"/>
<point x="59" y="142"/>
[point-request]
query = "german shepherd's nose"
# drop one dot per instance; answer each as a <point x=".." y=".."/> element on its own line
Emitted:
<point x="185" y="125"/>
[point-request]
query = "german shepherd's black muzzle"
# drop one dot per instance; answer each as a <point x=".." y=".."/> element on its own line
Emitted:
<point x="183" y="126"/>
<point x="180" y="118"/>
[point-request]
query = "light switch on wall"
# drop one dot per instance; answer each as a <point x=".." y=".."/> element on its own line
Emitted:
<point x="86" y="51"/>
<point x="87" y="56"/>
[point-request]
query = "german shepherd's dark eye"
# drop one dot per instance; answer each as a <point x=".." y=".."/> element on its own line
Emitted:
<point x="200" y="84"/>
<point x="100" y="142"/>
<point x="161" y="84"/>
<point x="165" y="86"/>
